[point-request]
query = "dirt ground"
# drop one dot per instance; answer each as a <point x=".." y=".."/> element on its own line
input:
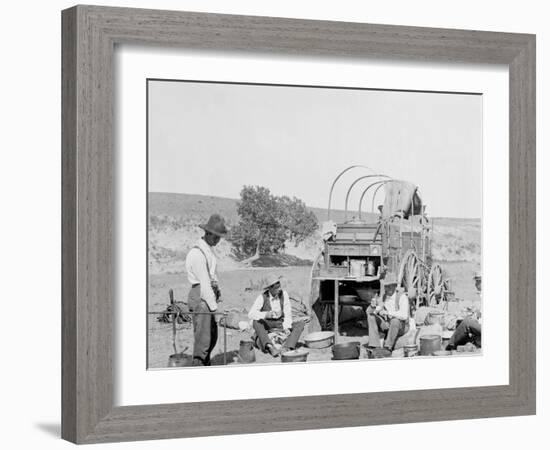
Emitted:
<point x="239" y="289"/>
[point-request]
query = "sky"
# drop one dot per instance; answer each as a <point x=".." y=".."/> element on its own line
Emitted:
<point x="213" y="138"/>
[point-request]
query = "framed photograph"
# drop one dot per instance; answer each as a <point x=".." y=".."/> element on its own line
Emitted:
<point x="308" y="223"/>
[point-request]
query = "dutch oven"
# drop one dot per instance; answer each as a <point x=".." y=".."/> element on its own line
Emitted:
<point x="378" y="352"/>
<point x="294" y="356"/>
<point x="347" y="350"/>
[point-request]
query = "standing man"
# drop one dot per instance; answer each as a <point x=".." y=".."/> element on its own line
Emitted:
<point x="390" y="318"/>
<point x="272" y="311"/>
<point x="204" y="294"/>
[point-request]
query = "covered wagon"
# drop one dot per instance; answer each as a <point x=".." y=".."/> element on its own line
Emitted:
<point x="362" y="249"/>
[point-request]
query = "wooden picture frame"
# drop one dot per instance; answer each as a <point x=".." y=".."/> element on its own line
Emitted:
<point x="89" y="37"/>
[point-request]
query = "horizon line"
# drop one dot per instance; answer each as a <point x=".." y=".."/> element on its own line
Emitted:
<point x="309" y="206"/>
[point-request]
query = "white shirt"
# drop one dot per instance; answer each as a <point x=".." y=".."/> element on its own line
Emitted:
<point x="197" y="272"/>
<point x="255" y="312"/>
<point x="400" y="310"/>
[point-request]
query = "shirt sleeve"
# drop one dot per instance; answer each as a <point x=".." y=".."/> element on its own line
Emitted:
<point x="198" y="265"/>
<point x="402" y="312"/>
<point x="287" y="321"/>
<point x="389" y="304"/>
<point x="255" y="313"/>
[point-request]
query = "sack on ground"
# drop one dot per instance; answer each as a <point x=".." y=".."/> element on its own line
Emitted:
<point x="234" y="319"/>
<point x="300" y="311"/>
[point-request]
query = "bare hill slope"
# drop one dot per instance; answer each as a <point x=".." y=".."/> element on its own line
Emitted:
<point x="174" y="220"/>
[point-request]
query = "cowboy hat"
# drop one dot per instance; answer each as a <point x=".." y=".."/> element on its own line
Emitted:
<point x="215" y="225"/>
<point x="271" y="280"/>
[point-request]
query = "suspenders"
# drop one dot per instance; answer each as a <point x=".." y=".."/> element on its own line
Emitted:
<point x="205" y="259"/>
<point x="213" y="282"/>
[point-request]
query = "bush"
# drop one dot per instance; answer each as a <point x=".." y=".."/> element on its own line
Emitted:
<point x="267" y="222"/>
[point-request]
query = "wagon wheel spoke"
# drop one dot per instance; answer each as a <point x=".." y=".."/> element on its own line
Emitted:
<point x="412" y="275"/>
<point x="436" y="286"/>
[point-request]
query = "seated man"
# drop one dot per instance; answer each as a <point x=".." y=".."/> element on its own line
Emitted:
<point x="389" y="318"/>
<point x="272" y="311"/>
<point x="469" y="330"/>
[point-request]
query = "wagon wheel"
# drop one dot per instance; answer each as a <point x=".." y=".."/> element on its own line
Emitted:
<point x="411" y="275"/>
<point x="437" y="287"/>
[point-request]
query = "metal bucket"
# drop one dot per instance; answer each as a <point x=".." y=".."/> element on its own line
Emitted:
<point x="357" y="268"/>
<point x="246" y="352"/>
<point x="429" y="344"/>
<point x="410" y="350"/>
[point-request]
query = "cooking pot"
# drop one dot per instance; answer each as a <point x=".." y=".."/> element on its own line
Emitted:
<point x="378" y="352"/>
<point x="430" y="343"/>
<point x="294" y="356"/>
<point x="180" y="360"/>
<point x="246" y="352"/>
<point x="319" y="339"/>
<point x="346" y="350"/>
<point x="410" y="350"/>
<point x="436" y="317"/>
<point x="365" y="293"/>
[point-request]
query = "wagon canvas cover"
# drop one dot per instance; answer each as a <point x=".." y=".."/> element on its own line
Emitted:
<point x="401" y="197"/>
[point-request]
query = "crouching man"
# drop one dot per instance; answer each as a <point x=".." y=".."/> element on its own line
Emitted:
<point x="272" y="312"/>
<point x="390" y="318"/>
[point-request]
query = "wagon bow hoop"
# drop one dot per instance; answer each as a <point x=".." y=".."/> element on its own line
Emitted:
<point x="347" y="169"/>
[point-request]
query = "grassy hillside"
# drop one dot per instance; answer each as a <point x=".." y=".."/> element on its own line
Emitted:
<point x="198" y="207"/>
<point x="174" y="220"/>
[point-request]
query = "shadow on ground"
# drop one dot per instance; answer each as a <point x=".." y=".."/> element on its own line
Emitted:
<point x="232" y="357"/>
<point x="351" y="329"/>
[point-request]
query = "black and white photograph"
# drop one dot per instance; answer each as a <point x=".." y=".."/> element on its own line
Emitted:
<point x="275" y="225"/>
<point x="292" y="224"/>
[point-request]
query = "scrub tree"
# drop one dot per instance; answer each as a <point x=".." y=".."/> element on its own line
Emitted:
<point x="267" y="223"/>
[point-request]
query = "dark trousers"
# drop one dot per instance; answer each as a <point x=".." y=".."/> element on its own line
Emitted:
<point x="392" y="329"/>
<point x="469" y="330"/>
<point x="263" y="327"/>
<point x="205" y="328"/>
